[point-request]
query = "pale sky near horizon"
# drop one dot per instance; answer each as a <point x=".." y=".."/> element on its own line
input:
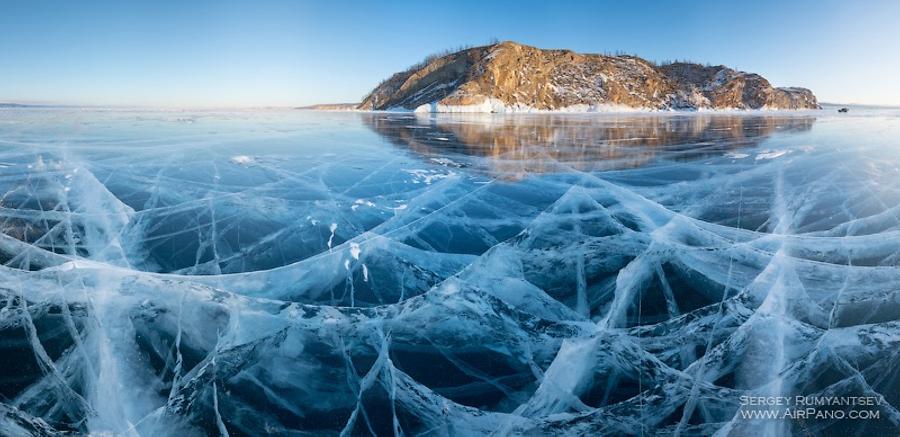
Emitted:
<point x="288" y="53"/>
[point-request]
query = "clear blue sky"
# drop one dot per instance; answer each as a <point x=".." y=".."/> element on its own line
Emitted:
<point x="254" y="53"/>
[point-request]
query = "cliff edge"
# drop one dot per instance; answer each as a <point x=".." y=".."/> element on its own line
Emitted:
<point x="511" y="77"/>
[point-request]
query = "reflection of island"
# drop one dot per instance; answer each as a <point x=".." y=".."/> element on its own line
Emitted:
<point x="546" y="143"/>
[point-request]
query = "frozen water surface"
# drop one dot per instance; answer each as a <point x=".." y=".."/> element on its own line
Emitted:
<point x="294" y="273"/>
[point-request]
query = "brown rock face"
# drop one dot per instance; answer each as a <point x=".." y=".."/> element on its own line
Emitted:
<point x="508" y="76"/>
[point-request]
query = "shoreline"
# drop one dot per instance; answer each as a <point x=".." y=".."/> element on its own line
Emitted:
<point x="579" y="110"/>
<point x="622" y="111"/>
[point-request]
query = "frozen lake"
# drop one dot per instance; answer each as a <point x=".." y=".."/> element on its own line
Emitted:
<point x="282" y="272"/>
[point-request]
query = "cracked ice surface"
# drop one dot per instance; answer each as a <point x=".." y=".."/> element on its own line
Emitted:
<point x="285" y="273"/>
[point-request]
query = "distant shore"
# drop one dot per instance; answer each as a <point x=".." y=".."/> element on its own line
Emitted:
<point x="577" y="109"/>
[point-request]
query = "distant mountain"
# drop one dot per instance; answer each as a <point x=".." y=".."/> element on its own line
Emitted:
<point x="511" y="77"/>
<point x="10" y="105"/>
<point x="331" y="107"/>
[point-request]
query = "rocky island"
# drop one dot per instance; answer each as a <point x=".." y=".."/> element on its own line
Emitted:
<point x="512" y="77"/>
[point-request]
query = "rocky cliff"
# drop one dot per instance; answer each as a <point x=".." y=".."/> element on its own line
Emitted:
<point x="511" y="77"/>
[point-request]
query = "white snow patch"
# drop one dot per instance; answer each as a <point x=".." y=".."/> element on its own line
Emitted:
<point x="332" y="228"/>
<point x="362" y="202"/>
<point x="427" y="176"/>
<point x="492" y="105"/>
<point x="446" y="162"/>
<point x="243" y="160"/>
<point x="771" y="154"/>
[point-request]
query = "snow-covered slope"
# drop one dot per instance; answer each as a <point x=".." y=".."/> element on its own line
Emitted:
<point x="511" y="77"/>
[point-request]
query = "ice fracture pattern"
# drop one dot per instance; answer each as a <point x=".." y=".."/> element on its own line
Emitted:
<point x="301" y="273"/>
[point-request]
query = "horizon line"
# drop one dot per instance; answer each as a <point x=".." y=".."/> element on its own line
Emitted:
<point x="9" y="104"/>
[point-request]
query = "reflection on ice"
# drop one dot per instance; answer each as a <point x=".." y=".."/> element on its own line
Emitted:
<point x="358" y="274"/>
<point x="522" y="144"/>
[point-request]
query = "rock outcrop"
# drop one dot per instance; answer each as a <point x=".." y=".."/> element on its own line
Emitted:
<point x="511" y="77"/>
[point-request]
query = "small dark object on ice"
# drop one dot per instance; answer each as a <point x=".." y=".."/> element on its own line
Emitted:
<point x="844" y="110"/>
